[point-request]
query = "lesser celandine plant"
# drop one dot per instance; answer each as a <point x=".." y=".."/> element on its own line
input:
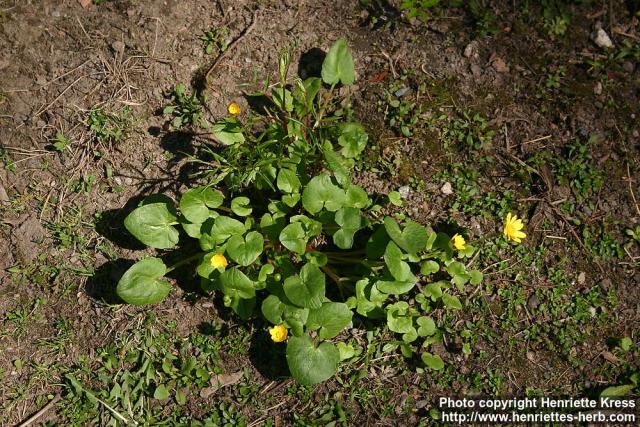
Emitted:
<point x="298" y="243"/>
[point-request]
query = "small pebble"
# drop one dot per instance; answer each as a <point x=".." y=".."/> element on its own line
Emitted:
<point x="404" y="191"/>
<point x="446" y="189"/>
<point x="401" y="92"/>
<point x="601" y="38"/>
<point x="597" y="89"/>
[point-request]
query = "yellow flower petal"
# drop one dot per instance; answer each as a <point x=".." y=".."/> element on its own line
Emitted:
<point x="234" y="109"/>
<point x="218" y="261"/>
<point x="278" y="333"/>
<point x="458" y="242"/>
<point x="512" y="227"/>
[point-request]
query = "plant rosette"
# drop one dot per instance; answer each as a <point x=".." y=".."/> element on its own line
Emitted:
<point x="309" y="254"/>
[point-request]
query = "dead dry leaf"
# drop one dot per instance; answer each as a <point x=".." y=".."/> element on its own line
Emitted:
<point x="85" y="3"/>
<point x="219" y="381"/>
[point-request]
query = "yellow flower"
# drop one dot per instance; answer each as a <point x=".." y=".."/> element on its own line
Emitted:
<point x="278" y="333"/>
<point x="234" y="109"/>
<point x="513" y="227"/>
<point x="218" y="260"/>
<point x="458" y="242"/>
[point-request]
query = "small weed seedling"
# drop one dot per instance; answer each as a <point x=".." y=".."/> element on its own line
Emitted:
<point x="216" y="38"/>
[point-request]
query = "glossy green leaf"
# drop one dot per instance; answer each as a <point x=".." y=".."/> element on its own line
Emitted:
<point x="228" y="131"/>
<point x="152" y="225"/>
<point x="429" y="267"/>
<point x="306" y="289"/>
<point x="338" y="64"/>
<point x="398" y="318"/>
<point x="245" y="250"/>
<point x="356" y="197"/>
<point x="350" y="221"/>
<point x="426" y="326"/>
<point x="346" y="350"/>
<point x="294" y="238"/>
<point x="195" y="203"/>
<point x="234" y="279"/>
<point x="331" y="318"/>
<point x="272" y="309"/>
<point x="451" y="301"/>
<point x="432" y="361"/>
<point x="288" y="181"/>
<point x="399" y="269"/>
<point x="241" y="206"/>
<point x="353" y="139"/>
<point x="322" y="193"/>
<point x="413" y="238"/>
<point x="224" y="227"/>
<point x="142" y="284"/>
<point x="475" y="277"/>
<point x="310" y="364"/>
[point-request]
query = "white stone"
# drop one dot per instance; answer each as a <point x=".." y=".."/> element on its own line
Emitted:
<point x="601" y="38"/>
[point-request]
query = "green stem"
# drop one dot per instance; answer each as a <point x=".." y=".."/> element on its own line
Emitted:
<point x="185" y="261"/>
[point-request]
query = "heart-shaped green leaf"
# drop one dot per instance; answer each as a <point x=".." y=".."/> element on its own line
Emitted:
<point x="433" y="290"/>
<point x="245" y="250"/>
<point x="429" y="267"/>
<point x="272" y="309"/>
<point x="195" y="203"/>
<point x="377" y="243"/>
<point x="295" y="318"/>
<point x="306" y="289"/>
<point x="426" y="326"/>
<point x="309" y="364"/>
<point x="241" y="206"/>
<point x="369" y="299"/>
<point x="432" y="361"/>
<point x="451" y="301"/>
<point x="356" y="197"/>
<point x="413" y="238"/>
<point x="322" y="193"/>
<point x="291" y="199"/>
<point x="398" y="318"/>
<point x="350" y="221"/>
<point x="152" y="224"/>
<point x="141" y="283"/>
<point x="331" y="319"/>
<point x="338" y="64"/>
<point x="352" y="139"/>
<point x="234" y="279"/>
<point x="288" y="181"/>
<point x="475" y="277"/>
<point x="228" y="131"/>
<point x="225" y="227"/>
<point x="346" y="350"/>
<point x="399" y="269"/>
<point x="294" y="238"/>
